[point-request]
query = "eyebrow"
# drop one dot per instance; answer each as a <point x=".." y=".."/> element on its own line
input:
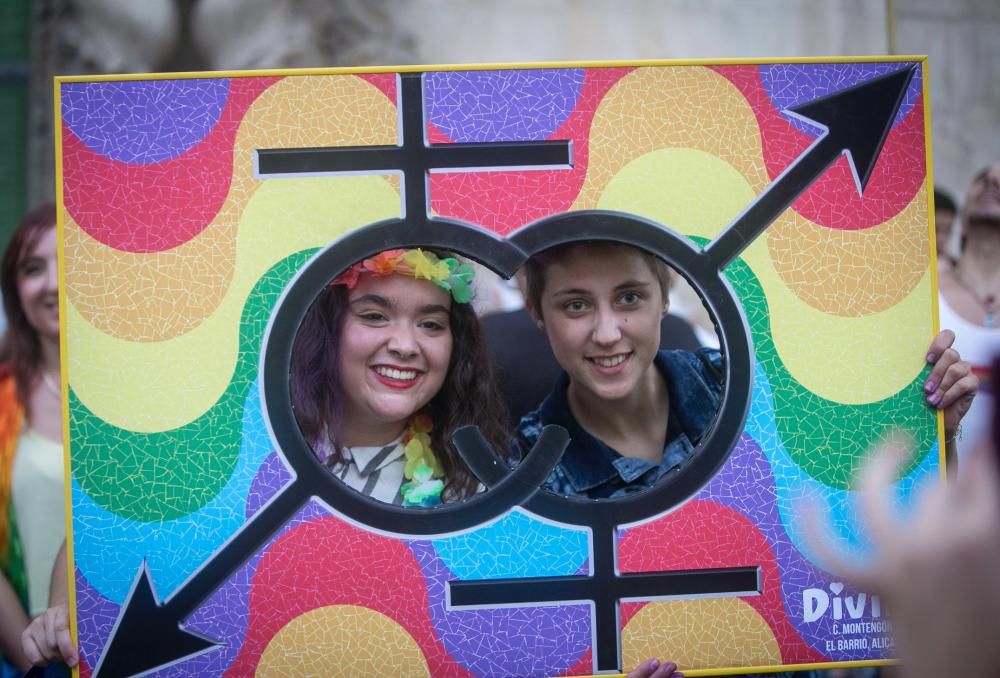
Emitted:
<point x="31" y="259"/>
<point x="433" y="308"/>
<point x="372" y="299"/>
<point x="381" y="301"/>
<point x="628" y="284"/>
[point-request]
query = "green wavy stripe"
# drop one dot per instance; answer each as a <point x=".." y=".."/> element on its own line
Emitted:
<point x="828" y="439"/>
<point x="152" y="477"/>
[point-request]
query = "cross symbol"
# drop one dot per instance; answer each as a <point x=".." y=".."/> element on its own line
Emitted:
<point x="605" y="589"/>
<point x="414" y="157"/>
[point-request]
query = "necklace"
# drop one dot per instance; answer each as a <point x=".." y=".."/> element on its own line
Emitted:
<point x="51" y="385"/>
<point x="423" y="470"/>
<point x="987" y="302"/>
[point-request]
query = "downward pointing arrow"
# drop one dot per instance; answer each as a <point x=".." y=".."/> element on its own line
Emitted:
<point x="150" y="633"/>
<point x="857" y="121"/>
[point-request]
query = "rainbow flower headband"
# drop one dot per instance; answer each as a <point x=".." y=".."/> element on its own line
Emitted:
<point x="449" y="274"/>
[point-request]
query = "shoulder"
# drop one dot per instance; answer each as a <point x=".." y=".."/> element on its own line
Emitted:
<point x="705" y="363"/>
<point x="712" y="365"/>
<point x="10" y="404"/>
<point x="530" y="427"/>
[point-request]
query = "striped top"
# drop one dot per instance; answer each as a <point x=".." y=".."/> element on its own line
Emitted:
<point x="375" y="472"/>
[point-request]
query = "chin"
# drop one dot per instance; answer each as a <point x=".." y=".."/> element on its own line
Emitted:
<point x="396" y="411"/>
<point x="611" y="392"/>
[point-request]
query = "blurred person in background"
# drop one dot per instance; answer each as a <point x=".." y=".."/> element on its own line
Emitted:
<point x="970" y="297"/>
<point x="945" y="211"/>
<point x="32" y="503"/>
<point x="936" y="567"/>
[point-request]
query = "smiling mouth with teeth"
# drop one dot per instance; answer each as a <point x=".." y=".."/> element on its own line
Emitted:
<point x="397" y="375"/>
<point x="610" y="361"/>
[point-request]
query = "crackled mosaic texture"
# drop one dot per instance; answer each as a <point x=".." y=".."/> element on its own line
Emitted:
<point x="176" y="254"/>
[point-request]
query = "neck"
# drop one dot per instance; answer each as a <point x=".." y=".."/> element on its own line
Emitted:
<point x="980" y="260"/>
<point x="372" y="436"/>
<point x="50" y="356"/>
<point x="982" y="246"/>
<point x="622" y="417"/>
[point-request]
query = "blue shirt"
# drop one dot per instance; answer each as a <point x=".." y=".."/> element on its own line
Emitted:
<point x="590" y="468"/>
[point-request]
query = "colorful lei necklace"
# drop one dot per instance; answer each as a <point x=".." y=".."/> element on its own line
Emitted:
<point x="423" y="470"/>
<point x="449" y="274"/>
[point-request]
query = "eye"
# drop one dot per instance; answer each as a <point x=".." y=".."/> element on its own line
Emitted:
<point x="575" y="306"/>
<point x="630" y="298"/>
<point x="31" y="267"/>
<point x="373" y="317"/>
<point x="433" y="325"/>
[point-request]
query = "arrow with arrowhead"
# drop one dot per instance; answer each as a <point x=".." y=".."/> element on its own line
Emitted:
<point x="149" y="634"/>
<point x="857" y="121"/>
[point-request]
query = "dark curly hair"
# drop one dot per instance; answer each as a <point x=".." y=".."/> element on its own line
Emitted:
<point x="469" y="395"/>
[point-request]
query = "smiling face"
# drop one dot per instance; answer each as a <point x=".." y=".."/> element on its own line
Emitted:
<point x="38" y="286"/>
<point x="395" y="347"/>
<point x="601" y="306"/>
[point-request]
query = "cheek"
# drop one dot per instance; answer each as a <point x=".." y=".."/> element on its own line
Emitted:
<point x="647" y="327"/>
<point x="355" y="350"/>
<point x="27" y="289"/>
<point x="437" y="353"/>
<point x="566" y="333"/>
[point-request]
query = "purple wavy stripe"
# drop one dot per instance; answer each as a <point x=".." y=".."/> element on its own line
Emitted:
<point x="520" y="641"/>
<point x="271" y="477"/>
<point x="95" y="617"/>
<point x="223" y="616"/>
<point x="789" y="85"/>
<point x="143" y="122"/>
<point x="508" y="105"/>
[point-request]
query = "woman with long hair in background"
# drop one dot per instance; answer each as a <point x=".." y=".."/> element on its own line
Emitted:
<point x="32" y="500"/>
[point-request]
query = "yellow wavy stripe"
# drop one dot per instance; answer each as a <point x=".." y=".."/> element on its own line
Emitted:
<point x="698" y="634"/>
<point x="155" y="386"/>
<point x="156" y="296"/>
<point x="849" y="273"/>
<point x="342" y="640"/>
<point x="835" y="357"/>
<point x="853" y="273"/>
<point x="655" y="108"/>
<point x="847" y="360"/>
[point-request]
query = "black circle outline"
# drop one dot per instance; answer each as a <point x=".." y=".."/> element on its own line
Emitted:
<point x="714" y="448"/>
<point x="504" y="256"/>
<point x="310" y="473"/>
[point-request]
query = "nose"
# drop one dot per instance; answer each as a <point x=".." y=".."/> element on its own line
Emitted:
<point x="402" y="342"/>
<point x="52" y="276"/>
<point x="607" y="330"/>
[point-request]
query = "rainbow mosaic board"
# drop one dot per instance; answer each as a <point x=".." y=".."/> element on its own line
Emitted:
<point x="200" y="549"/>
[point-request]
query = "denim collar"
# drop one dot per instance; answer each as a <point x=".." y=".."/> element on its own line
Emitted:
<point x="589" y="462"/>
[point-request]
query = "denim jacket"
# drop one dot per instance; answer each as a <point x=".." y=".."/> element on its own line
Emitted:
<point x="592" y="469"/>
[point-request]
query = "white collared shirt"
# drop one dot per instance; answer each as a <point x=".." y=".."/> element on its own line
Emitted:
<point x="375" y="472"/>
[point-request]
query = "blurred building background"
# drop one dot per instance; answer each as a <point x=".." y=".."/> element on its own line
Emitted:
<point x="40" y="38"/>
